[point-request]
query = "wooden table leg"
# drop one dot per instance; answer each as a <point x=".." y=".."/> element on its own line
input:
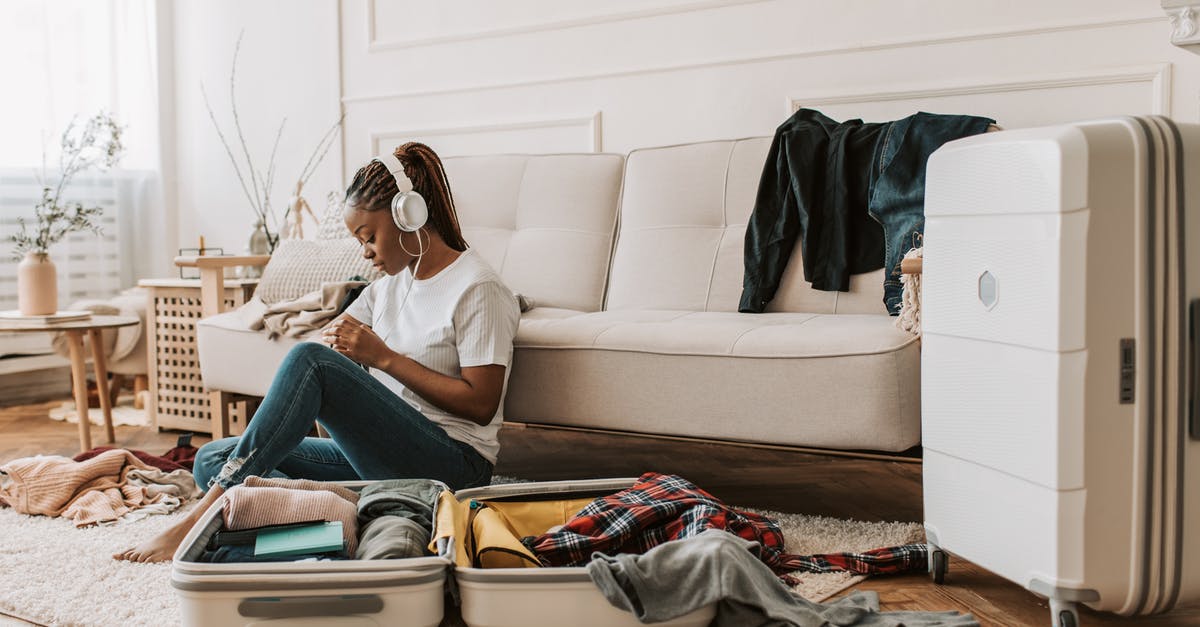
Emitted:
<point x="219" y="408"/>
<point x="102" y="382"/>
<point x="141" y="391"/>
<point x="79" y="381"/>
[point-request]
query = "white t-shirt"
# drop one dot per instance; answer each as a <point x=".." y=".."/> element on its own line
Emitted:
<point x="463" y="316"/>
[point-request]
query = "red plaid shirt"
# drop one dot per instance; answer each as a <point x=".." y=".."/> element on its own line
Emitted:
<point x="659" y="508"/>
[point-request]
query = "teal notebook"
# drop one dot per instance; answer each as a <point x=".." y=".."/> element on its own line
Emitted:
<point x="321" y="537"/>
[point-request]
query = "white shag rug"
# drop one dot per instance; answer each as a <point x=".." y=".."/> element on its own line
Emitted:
<point x="52" y="573"/>
<point x="123" y="413"/>
<point x="809" y="535"/>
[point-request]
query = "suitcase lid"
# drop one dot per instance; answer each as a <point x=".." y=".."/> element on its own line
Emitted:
<point x="557" y="489"/>
<point x="450" y="534"/>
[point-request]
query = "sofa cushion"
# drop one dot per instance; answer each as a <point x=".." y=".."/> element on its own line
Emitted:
<point x="684" y="211"/>
<point x="544" y="222"/>
<point x="831" y="381"/>
<point x="235" y="359"/>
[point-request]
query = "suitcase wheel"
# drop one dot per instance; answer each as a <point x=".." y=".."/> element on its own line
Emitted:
<point x="938" y="565"/>
<point x="1063" y="614"/>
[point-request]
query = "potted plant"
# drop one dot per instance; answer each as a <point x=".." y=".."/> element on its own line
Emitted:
<point x="95" y="144"/>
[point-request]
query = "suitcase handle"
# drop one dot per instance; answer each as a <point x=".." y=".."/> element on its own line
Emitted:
<point x="298" y="607"/>
<point x="1194" y="379"/>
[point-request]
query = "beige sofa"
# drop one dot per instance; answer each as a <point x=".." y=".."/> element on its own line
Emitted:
<point x="635" y="267"/>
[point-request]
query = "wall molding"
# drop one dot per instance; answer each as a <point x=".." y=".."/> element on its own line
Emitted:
<point x="376" y="45"/>
<point x="1158" y="75"/>
<point x="1183" y="15"/>
<point x="589" y="122"/>
<point x="877" y="46"/>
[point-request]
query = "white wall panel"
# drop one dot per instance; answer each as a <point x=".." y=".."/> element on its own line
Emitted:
<point x="578" y="134"/>
<point x="674" y="71"/>
<point x="413" y="23"/>
<point x="1013" y="103"/>
<point x="473" y="76"/>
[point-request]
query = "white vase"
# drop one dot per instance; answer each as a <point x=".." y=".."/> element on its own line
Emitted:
<point x="37" y="285"/>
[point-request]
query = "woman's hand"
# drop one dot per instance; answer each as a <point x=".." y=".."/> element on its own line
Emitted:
<point x="356" y="341"/>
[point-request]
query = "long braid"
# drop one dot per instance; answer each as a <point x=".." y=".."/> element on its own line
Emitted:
<point x="373" y="188"/>
<point x="435" y="187"/>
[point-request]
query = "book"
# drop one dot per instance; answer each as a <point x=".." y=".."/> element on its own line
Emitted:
<point x="249" y="536"/>
<point x="15" y="315"/>
<point x="320" y="537"/>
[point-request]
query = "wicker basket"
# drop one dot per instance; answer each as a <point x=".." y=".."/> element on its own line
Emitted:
<point x="178" y="399"/>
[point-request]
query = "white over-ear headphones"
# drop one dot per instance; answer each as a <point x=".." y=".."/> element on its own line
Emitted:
<point x="409" y="210"/>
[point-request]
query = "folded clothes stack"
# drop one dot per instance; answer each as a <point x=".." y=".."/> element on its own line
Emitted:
<point x="387" y="520"/>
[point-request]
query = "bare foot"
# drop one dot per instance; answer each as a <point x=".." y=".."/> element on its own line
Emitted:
<point x="161" y="547"/>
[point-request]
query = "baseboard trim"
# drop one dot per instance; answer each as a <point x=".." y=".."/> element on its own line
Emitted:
<point x="35" y="386"/>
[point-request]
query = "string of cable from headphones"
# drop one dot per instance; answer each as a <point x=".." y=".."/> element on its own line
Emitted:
<point x="421" y="250"/>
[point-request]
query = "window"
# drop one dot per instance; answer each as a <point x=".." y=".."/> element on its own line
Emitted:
<point x="69" y="59"/>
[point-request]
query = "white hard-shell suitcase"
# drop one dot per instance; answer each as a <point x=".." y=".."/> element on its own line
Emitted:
<point x="402" y="592"/>
<point x="337" y="592"/>
<point x="1059" y="362"/>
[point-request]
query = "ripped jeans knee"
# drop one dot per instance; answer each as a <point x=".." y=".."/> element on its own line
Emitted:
<point x="211" y="466"/>
<point x="232" y="467"/>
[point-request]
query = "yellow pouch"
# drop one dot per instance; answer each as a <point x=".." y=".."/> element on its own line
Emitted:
<point x="489" y="536"/>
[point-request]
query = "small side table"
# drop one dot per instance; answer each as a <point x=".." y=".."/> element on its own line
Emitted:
<point x="74" y="331"/>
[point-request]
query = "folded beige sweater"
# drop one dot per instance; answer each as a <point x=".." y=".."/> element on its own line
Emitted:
<point x="248" y="507"/>
<point x="254" y="481"/>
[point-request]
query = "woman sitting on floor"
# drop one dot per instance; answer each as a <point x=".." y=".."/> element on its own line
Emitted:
<point x="436" y="332"/>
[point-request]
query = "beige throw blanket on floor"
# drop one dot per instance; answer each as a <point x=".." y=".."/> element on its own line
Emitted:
<point x="97" y="490"/>
<point x="293" y="318"/>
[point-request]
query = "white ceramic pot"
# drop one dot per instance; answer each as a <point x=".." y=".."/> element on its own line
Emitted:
<point x="37" y="285"/>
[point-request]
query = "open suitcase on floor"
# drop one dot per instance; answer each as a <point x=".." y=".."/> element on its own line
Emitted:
<point x="411" y="592"/>
<point x="1059" y="362"/>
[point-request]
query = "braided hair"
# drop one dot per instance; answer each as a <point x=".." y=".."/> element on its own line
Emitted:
<point x="373" y="188"/>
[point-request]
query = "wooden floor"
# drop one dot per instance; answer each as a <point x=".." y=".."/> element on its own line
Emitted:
<point x="783" y="480"/>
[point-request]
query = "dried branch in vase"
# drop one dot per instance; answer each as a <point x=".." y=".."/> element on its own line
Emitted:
<point x="257" y="183"/>
<point x="96" y="144"/>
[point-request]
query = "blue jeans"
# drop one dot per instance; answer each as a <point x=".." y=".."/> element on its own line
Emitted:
<point x="374" y="434"/>
<point x="897" y="185"/>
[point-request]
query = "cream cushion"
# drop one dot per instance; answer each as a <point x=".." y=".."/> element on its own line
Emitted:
<point x="235" y="359"/>
<point x="684" y="211"/>
<point x="841" y="381"/>
<point x="544" y="222"/>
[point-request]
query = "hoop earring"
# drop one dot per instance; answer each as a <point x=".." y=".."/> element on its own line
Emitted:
<point x="421" y="247"/>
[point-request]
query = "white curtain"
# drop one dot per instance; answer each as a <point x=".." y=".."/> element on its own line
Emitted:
<point x="68" y="59"/>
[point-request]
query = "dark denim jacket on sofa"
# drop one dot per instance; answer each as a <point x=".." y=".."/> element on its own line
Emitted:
<point x="835" y="185"/>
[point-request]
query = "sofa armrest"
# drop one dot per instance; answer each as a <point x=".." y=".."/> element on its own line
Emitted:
<point x="212" y="276"/>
